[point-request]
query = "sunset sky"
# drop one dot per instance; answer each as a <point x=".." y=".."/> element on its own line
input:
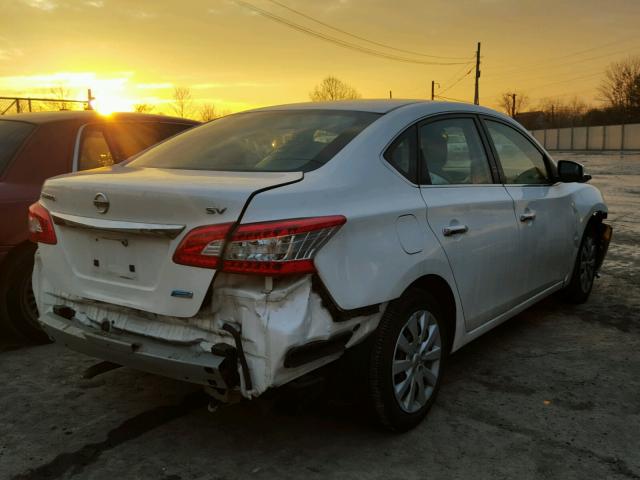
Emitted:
<point x="136" y="51"/>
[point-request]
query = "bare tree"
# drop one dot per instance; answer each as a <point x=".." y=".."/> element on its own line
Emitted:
<point x="559" y="112"/>
<point x="143" y="108"/>
<point x="208" y="112"/>
<point x="621" y="87"/>
<point x="506" y="102"/>
<point x="331" y="88"/>
<point x="61" y="94"/>
<point x="182" y="102"/>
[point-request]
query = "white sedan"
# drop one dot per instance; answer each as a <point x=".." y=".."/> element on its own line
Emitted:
<point x="259" y="247"/>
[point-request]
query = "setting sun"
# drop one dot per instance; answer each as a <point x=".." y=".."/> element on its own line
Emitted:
<point x="108" y="103"/>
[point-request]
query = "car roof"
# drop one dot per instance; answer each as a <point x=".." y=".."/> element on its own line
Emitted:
<point x="88" y="115"/>
<point x="365" y="105"/>
<point x="381" y="106"/>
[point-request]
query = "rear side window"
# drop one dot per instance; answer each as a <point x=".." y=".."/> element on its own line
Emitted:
<point x="12" y="136"/>
<point x="128" y="139"/>
<point x="402" y="154"/>
<point x="94" y="149"/>
<point x="270" y="141"/>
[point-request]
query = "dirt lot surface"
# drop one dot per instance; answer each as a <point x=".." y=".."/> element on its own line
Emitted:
<point x="553" y="393"/>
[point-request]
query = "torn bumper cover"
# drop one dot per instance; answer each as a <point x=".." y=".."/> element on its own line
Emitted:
<point x="248" y="338"/>
<point x="190" y="363"/>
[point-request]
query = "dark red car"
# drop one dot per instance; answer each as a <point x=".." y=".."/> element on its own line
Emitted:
<point x="36" y="146"/>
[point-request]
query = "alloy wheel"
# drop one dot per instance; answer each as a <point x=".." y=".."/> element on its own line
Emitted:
<point x="416" y="361"/>
<point x="587" y="263"/>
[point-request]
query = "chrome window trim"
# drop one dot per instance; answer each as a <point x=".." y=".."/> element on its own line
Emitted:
<point x="76" y="149"/>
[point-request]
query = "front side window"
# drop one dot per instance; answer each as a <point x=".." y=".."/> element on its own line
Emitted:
<point x="268" y="141"/>
<point x="12" y="136"/>
<point x="94" y="149"/>
<point x="522" y="162"/>
<point x="451" y="153"/>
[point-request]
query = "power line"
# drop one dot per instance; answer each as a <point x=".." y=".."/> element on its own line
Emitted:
<point x="458" y="72"/>
<point x="566" y="80"/>
<point x="521" y="73"/>
<point x="410" y="52"/>
<point x="518" y="71"/>
<point x="457" y="81"/>
<point x="336" y="40"/>
<point x="573" y="54"/>
<point x="438" y="97"/>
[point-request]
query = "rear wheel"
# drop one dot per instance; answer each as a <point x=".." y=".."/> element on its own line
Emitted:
<point x="407" y="359"/>
<point x="19" y="304"/>
<point x="584" y="270"/>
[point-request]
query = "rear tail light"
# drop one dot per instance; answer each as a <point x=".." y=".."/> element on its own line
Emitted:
<point x="281" y="247"/>
<point x="202" y="246"/>
<point x="41" y="225"/>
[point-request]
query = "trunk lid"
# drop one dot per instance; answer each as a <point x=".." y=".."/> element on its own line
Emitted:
<point x="118" y="229"/>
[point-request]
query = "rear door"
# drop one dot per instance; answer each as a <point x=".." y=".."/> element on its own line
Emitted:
<point x="471" y="214"/>
<point x="544" y="209"/>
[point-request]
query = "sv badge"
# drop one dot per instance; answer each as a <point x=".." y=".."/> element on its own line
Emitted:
<point x="216" y="210"/>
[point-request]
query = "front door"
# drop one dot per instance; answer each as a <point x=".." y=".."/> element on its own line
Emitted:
<point x="471" y="214"/>
<point x="546" y="217"/>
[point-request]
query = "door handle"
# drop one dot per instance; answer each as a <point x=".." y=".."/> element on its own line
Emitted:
<point x="454" y="229"/>
<point x="527" y="216"/>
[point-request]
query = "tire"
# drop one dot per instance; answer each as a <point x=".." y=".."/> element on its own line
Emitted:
<point x="19" y="307"/>
<point x="584" y="269"/>
<point x="399" y="402"/>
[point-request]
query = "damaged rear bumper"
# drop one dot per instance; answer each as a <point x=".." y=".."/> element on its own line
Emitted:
<point x="247" y="339"/>
<point x="182" y="362"/>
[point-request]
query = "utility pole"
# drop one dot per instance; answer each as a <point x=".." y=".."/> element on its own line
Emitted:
<point x="476" y="97"/>
<point x="90" y="98"/>
<point x="513" y="105"/>
<point x="433" y="89"/>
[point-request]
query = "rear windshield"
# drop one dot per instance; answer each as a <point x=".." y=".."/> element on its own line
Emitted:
<point x="12" y="135"/>
<point x="273" y="141"/>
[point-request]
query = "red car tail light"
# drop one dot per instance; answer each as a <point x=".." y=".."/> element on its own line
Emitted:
<point x="275" y="248"/>
<point x="41" y="225"/>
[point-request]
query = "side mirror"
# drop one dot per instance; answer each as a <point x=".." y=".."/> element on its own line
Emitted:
<point x="569" y="171"/>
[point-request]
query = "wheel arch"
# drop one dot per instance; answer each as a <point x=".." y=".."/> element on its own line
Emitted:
<point x="444" y="292"/>
<point x="16" y="251"/>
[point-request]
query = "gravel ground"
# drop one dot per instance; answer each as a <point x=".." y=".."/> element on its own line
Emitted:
<point x="553" y="393"/>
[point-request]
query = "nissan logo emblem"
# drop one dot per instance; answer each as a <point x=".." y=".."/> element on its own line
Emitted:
<point x="101" y="202"/>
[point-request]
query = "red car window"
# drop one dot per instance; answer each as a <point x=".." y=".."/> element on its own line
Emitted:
<point x="12" y="136"/>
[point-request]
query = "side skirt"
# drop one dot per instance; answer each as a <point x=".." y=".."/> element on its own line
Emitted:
<point x="473" y="334"/>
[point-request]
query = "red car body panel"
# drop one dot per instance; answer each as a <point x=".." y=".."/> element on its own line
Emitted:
<point x="47" y="152"/>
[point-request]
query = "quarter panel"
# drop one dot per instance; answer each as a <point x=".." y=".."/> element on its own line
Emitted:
<point x="364" y="263"/>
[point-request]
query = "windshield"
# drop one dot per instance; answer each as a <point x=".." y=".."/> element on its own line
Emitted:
<point x="270" y="141"/>
<point x="12" y="134"/>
